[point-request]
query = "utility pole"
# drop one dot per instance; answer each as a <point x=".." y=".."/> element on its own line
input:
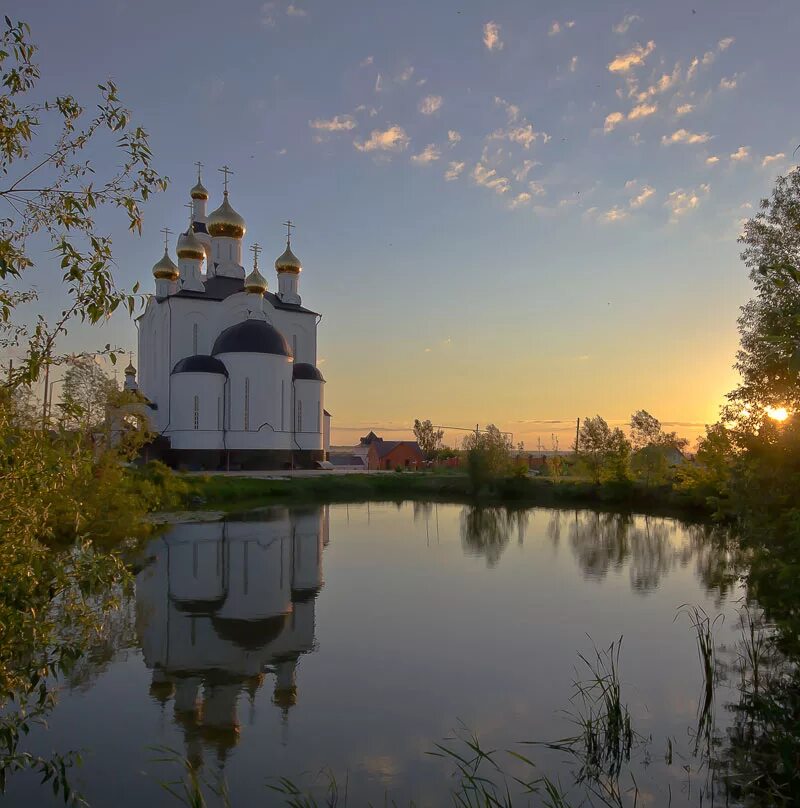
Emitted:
<point x="577" y="435"/>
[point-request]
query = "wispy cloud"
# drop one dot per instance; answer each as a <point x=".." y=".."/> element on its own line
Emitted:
<point x="573" y="64"/>
<point x="512" y="110"/>
<point x="454" y="170"/>
<point x="557" y="27"/>
<point x="392" y="139"/>
<point x="685" y="136"/>
<point x="521" y="173"/>
<point x="641" y="193"/>
<point x="338" y="123"/>
<point x="625" y="23"/>
<point x="379" y="83"/>
<point x="491" y="36"/>
<point x="680" y="201"/>
<point x="728" y="83"/>
<point x="524" y="135"/>
<point x="642" y="111"/>
<point x="489" y="178"/>
<point x="624" y="62"/>
<point x="430" y="104"/>
<point x="428" y="155"/>
<point x="612" y="120"/>
<point x="405" y="74"/>
<point x="666" y="82"/>
<point x="741" y="154"/>
<point x="684" y="109"/>
<point x="610" y="216"/>
<point x="453" y="137"/>
<point x="519" y="200"/>
<point x="367" y="61"/>
<point x="295" y="11"/>
<point x="713" y="160"/>
<point x="772" y="158"/>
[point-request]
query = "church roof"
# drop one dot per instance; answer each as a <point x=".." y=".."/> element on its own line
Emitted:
<point x="218" y="288"/>
<point x="305" y="370"/>
<point x="251" y="336"/>
<point x="200" y="363"/>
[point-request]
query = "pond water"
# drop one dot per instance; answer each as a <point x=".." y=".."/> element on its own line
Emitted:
<point x="353" y="638"/>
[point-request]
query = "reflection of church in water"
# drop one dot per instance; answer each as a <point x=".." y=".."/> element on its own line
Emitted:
<point x="221" y="606"/>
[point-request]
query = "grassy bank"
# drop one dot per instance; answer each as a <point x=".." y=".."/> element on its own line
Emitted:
<point x="240" y="493"/>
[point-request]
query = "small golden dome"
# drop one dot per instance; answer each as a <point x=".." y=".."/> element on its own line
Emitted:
<point x="285" y="697"/>
<point x="226" y="222"/>
<point x="189" y="246"/>
<point x="130" y="370"/>
<point x="255" y="282"/>
<point x="165" y="269"/>
<point x="199" y="191"/>
<point x="288" y="262"/>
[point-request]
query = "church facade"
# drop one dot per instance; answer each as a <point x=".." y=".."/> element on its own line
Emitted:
<point x="227" y="368"/>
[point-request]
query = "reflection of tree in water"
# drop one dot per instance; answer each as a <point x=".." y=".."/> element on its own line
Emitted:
<point x="486" y="530"/>
<point x="649" y="546"/>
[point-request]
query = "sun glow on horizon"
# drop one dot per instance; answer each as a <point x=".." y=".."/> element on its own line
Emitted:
<point x="777" y="413"/>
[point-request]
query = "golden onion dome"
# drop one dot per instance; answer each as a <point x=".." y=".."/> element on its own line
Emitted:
<point x="199" y="191"/>
<point x="189" y="246"/>
<point x="255" y="282"/>
<point x="226" y="222"/>
<point x="288" y="262"/>
<point x="165" y="269"/>
<point x="130" y="370"/>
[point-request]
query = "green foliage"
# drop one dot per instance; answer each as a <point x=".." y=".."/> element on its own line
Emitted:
<point x="85" y="394"/>
<point x="603" y="452"/>
<point x="428" y="438"/>
<point x="488" y="455"/>
<point x="54" y="192"/>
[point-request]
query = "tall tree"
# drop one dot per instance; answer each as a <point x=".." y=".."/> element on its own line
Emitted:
<point x="85" y="394"/>
<point x="428" y="438"/>
<point x="50" y="190"/>
<point x="602" y="450"/>
<point x="768" y="360"/>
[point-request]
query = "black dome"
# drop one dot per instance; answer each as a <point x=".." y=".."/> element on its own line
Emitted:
<point x="251" y="336"/>
<point x="200" y="364"/>
<point x="304" y="370"/>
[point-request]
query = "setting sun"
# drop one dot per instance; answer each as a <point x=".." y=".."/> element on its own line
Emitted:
<point x="777" y="413"/>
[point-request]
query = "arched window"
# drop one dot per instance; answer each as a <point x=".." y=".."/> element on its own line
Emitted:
<point x="197" y="412"/>
<point x="194" y="339"/>
<point x="246" y="405"/>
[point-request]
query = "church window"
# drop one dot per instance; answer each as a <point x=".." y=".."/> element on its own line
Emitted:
<point x="299" y="416"/>
<point x="194" y="339"/>
<point x="246" y="405"/>
<point x="197" y="412"/>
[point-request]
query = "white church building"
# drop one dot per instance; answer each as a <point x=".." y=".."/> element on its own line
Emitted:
<point x="228" y="369"/>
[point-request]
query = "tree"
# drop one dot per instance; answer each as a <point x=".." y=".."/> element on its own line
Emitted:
<point x="52" y="191"/>
<point x="85" y="394"/>
<point x="603" y="451"/>
<point x="428" y="438"/>
<point x="650" y="445"/>
<point x="488" y="454"/>
<point x="769" y="325"/>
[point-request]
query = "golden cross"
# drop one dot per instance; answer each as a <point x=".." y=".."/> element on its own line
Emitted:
<point x="255" y="249"/>
<point x="199" y="166"/>
<point x="167" y="233"/>
<point x="225" y="171"/>
<point x="288" y="225"/>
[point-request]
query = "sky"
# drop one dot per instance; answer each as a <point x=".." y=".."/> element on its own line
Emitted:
<point x="510" y="212"/>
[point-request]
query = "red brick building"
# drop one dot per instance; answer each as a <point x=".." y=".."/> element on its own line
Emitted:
<point x="388" y="455"/>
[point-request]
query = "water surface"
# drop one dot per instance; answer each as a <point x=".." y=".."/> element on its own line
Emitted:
<point x="353" y="638"/>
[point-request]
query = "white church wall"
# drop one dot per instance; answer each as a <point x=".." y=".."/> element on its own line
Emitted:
<point x="196" y="563"/>
<point x="307" y="550"/>
<point x="258" y="400"/>
<point x="300" y="332"/>
<point x="196" y="410"/>
<point x="193" y="328"/>
<point x="308" y="413"/>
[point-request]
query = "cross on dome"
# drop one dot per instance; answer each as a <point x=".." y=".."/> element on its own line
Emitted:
<point x="255" y="249"/>
<point x="225" y="171"/>
<point x="167" y="233"/>
<point x="199" y="167"/>
<point x="289" y="226"/>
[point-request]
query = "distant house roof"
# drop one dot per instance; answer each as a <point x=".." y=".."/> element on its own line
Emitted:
<point x="346" y="460"/>
<point x="386" y="447"/>
<point x="370" y="438"/>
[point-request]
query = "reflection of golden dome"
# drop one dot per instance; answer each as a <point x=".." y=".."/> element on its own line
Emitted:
<point x="285" y="697"/>
<point x="165" y="269"/>
<point x="226" y="222"/>
<point x="288" y="262"/>
<point x="189" y="246"/>
<point x="255" y="282"/>
<point x="199" y="191"/>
